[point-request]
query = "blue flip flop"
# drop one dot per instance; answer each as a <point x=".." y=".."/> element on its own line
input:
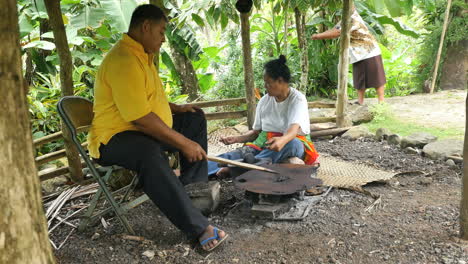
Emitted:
<point x="215" y="237"/>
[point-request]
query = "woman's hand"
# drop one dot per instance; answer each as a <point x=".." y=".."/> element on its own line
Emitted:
<point x="229" y="140"/>
<point x="276" y="143"/>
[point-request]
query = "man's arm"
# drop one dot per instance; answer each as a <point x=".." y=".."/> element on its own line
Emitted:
<point x="153" y="126"/>
<point x="329" y="34"/>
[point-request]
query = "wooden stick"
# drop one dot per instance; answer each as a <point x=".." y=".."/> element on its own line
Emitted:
<point x="239" y="164"/>
<point x="64" y="219"/>
<point x="66" y="239"/>
<point x="328" y="132"/>
<point x="441" y="45"/>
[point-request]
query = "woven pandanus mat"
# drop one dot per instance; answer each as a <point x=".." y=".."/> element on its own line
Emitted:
<point x="215" y="147"/>
<point x="339" y="173"/>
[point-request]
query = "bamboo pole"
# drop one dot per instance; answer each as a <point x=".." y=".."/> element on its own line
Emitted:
<point x="248" y="68"/>
<point x="233" y="101"/>
<point x="53" y="156"/>
<point x="464" y="199"/>
<point x="66" y="67"/>
<point x="318" y="104"/>
<point x="441" y="45"/>
<point x="234" y="114"/>
<point x="316" y="120"/>
<point x="342" y="96"/>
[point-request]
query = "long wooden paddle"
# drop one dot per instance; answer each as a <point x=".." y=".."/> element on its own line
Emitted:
<point x="239" y="164"/>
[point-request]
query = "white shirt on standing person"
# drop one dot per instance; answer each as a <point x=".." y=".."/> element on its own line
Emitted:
<point x="273" y="116"/>
<point x="362" y="44"/>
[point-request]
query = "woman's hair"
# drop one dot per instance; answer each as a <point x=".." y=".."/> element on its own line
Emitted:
<point x="278" y="68"/>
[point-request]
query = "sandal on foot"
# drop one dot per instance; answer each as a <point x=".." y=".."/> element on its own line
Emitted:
<point x="215" y="237"/>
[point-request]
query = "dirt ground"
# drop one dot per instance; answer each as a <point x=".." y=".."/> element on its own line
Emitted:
<point x="445" y="109"/>
<point x="414" y="221"/>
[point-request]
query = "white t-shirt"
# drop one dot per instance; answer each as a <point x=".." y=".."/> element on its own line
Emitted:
<point x="273" y="116"/>
<point x="362" y="44"/>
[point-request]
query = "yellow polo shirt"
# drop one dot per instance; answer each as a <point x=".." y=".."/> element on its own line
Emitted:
<point x="127" y="88"/>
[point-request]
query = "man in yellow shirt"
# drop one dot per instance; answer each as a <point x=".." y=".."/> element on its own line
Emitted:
<point x="134" y="124"/>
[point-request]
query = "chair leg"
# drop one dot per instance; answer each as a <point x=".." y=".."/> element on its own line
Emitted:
<point x="119" y="212"/>
<point x="117" y="209"/>
<point x="131" y="188"/>
<point x="88" y="215"/>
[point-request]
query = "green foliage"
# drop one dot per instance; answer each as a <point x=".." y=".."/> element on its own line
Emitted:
<point x="381" y="112"/>
<point x="457" y="31"/>
<point x="400" y="70"/>
<point x="94" y="26"/>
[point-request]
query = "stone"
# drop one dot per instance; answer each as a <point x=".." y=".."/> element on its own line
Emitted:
<point x="357" y="132"/>
<point x="359" y="114"/>
<point x="418" y="140"/>
<point x="53" y="184"/>
<point x="426" y="180"/>
<point x="120" y="178"/>
<point x="410" y="150"/>
<point x="149" y="254"/>
<point x="450" y="163"/>
<point x="394" y="139"/>
<point x="382" y="133"/>
<point x="442" y="149"/>
<point x="204" y="196"/>
<point x="293" y="160"/>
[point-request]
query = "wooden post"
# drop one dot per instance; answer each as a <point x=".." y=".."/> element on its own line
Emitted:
<point x="23" y="229"/>
<point x="66" y="69"/>
<point x="464" y="200"/>
<point x="248" y="69"/>
<point x="441" y="45"/>
<point x="342" y="95"/>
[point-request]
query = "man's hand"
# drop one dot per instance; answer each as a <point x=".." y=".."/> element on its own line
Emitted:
<point x="276" y="143"/>
<point x="185" y="108"/>
<point x="229" y="140"/>
<point x="314" y="36"/>
<point x="193" y="152"/>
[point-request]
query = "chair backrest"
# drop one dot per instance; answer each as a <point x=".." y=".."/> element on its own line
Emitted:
<point x="76" y="112"/>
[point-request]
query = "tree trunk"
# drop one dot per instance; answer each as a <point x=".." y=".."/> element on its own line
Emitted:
<point x="300" y="27"/>
<point x="28" y="75"/>
<point x="23" y="230"/>
<point x="186" y="72"/>
<point x="441" y="45"/>
<point x="66" y="69"/>
<point x="321" y="26"/>
<point x="464" y="200"/>
<point x="248" y="68"/>
<point x="342" y="95"/>
<point x="286" y="28"/>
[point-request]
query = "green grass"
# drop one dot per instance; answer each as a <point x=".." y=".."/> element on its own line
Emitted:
<point x="384" y="118"/>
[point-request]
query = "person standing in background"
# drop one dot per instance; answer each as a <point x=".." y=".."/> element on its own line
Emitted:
<point x="365" y="55"/>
